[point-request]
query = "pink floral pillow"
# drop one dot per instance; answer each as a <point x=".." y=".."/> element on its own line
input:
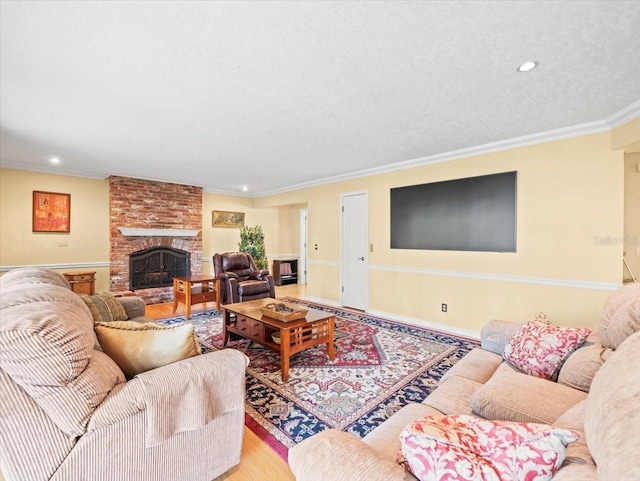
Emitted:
<point x="539" y="349"/>
<point x="462" y="447"/>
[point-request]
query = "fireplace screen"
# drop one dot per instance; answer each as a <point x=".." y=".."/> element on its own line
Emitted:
<point x="157" y="266"/>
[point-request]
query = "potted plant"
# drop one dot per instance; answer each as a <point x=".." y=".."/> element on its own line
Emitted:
<point x="252" y="242"/>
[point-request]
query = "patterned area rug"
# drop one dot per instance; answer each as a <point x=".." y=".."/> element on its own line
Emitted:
<point x="380" y="366"/>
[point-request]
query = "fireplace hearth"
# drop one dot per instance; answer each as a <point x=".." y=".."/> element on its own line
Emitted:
<point x="157" y="266"/>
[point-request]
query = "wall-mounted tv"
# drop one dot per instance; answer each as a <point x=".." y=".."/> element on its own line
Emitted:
<point x="470" y="214"/>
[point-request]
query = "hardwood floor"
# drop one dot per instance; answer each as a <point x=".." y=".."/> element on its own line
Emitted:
<point x="165" y="310"/>
<point x="258" y="462"/>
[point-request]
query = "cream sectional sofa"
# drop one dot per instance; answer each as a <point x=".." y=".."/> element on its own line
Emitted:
<point x="68" y="413"/>
<point x="597" y="396"/>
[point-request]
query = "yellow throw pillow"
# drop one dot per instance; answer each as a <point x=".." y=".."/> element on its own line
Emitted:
<point x="105" y="307"/>
<point x="137" y="347"/>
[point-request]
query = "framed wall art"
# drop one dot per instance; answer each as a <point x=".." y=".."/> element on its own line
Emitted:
<point x="51" y="212"/>
<point x="223" y="218"/>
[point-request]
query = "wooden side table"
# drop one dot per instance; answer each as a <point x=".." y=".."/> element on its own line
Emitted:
<point x="82" y="282"/>
<point x="192" y="290"/>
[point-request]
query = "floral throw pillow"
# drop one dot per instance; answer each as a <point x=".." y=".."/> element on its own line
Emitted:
<point x="539" y="349"/>
<point x="462" y="447"/>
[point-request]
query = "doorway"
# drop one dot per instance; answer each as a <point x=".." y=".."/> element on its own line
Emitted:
<point x="304" y="232"/>
<point x="354" y="264"/>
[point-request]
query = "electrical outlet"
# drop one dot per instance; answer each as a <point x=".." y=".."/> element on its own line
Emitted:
<point x="444" y="308"/>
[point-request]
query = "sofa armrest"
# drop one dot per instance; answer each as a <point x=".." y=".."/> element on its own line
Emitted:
<point x="219" y="373"/>
<point x="133" y="305"/>
<point x="340" y="456"/>
<point x="495" y="334"/>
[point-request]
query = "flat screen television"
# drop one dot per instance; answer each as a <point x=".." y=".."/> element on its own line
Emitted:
<point x="470" y="214"/>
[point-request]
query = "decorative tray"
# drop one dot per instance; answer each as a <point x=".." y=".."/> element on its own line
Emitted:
<point x="283" y="312"/>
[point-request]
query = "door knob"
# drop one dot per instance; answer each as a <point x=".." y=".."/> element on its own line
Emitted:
<point x="361" y="258"/>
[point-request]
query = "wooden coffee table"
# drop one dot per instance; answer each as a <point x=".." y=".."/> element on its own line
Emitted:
<point x="245" y="320"/>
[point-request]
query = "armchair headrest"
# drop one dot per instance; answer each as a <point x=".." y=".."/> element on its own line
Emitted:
<point x="233" y="261"/>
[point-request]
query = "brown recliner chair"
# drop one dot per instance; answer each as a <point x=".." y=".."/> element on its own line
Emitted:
<point x="240" y="279"/>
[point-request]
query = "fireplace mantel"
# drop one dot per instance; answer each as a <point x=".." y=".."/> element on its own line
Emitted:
<point x="158" y="232"/>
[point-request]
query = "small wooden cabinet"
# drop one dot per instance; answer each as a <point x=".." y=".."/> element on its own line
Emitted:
<point x="285" y="271"/>
<point x="82" y="282"/>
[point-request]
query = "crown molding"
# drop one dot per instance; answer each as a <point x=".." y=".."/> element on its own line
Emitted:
<point x="623" y="116"/>
<point x="616" y="119"/>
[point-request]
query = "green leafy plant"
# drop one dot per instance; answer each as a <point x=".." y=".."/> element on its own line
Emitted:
<point x="252" y="242"/>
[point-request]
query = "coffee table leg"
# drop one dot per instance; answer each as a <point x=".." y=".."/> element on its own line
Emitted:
<point x="285" y="348"/>
<point x="226" y="318"/>
<point x="330" y="350"/>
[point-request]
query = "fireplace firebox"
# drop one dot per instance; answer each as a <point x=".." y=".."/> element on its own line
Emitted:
<point x="157" y="266"/>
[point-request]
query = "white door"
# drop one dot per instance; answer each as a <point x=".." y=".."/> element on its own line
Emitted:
<point x="302" y="263"/>
<point x="355" y="243"/>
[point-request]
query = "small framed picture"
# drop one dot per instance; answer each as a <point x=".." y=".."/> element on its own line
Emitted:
<point x="223" y="218"/>
<point x="51" y="212"/>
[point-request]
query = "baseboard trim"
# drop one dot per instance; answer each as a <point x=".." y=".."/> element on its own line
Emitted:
<point x="434" y="326"/>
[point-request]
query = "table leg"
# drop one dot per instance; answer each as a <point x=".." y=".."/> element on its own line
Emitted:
<point x="176" y="283"/>
<point x="330" y="350"/>
<point x="226" y="318"/>
<point x="218" y="294"/>
<point x="187" y="300"/>
<point x="285" y="348"/>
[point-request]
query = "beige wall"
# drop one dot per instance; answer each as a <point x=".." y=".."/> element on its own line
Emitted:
<point x="570" y="205"/>
<point x="632" y="214"/>
<point x="226" y="239"/>
<point x="85" y="248"/>
<point x="570" y="197"/>
<point x="289" y="229"/>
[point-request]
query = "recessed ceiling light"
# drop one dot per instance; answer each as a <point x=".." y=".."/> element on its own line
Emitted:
<point x="525" y="67"/>
<point x="54" y="160"/>
<point x="245" y="188"/>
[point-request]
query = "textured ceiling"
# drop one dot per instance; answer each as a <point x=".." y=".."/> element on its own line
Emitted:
<point x="282" y="94"/>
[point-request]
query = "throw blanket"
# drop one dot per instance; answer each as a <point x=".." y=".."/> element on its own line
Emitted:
<point x="187" y="395"/>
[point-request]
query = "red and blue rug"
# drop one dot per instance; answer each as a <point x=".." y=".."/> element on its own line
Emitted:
<point x="380" y="366"/>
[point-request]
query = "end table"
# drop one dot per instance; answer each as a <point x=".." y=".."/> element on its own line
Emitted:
<point x="192" y="290"/>
<point x="82" y="282"/>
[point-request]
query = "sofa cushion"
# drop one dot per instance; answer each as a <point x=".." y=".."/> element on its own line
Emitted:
<point x="476" y="449"/>
<point x="47" y="343"/>
<point x="582" y="365"/>
<point x="513" y="396"/>
<point x="539" y="349"/>
<point x="454" y="396"/>
<point x="138" y="347"/>
<point x="495" y="334"/>
<point x="478" y="365"/>
<point x="620" y="316"/>
<point x="386" y="437"/>
<point x="612" y="416"/>
<point x="105" y="307"/>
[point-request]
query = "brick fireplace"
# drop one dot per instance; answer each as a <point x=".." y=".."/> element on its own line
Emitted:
<point x="144" y="214"/>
